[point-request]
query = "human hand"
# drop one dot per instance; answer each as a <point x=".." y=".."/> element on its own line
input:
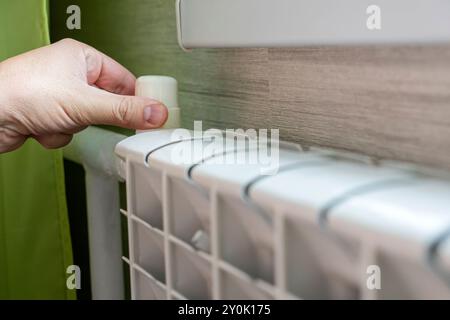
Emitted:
<point x="53" y="92"/>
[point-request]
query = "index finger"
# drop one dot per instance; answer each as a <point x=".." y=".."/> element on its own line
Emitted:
<point x="106" y="73"/>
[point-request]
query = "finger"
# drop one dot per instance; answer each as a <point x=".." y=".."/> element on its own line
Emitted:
<point x="101" y="107"/>
<point x="13" y="145"/>
<point x="106" y="73"/>
<point x="54" y="141"/>
<point x="10" y="139"/>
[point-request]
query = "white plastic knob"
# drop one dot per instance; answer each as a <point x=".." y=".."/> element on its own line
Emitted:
<point x="165" y="90"/>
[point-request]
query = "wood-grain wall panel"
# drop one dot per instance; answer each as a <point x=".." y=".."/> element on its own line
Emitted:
<point x="389" y="102"/>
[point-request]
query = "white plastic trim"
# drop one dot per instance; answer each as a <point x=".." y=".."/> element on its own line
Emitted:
<point x="293" y="23"/>
<point x="179" y="28"/>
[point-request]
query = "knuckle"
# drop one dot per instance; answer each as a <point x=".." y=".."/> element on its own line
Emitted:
<point x="72" y="116"/>
<point x="124" y="109"/>
<point x="69" y="42"/>
<point x="10" y="139"/>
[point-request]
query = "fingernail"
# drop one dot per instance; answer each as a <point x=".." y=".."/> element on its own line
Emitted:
<point x="147" y="113"/>
<point x="154" y="114"/>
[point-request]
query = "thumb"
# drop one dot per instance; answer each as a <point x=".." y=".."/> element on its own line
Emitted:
<point x="102" y="107"/>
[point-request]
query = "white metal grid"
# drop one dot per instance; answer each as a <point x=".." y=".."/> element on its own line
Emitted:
<point x="203" y="230"/>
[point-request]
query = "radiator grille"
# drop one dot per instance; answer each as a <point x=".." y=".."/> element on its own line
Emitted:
<point x="315" y="230"/>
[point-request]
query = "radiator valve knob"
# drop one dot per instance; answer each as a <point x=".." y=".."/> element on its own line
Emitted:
<point x="165" y="90"/>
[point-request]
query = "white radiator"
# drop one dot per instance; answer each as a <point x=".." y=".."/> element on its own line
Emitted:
<point x="326" y="226"/>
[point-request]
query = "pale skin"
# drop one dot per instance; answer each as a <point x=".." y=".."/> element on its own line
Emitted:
<point x="53" y="92"/>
